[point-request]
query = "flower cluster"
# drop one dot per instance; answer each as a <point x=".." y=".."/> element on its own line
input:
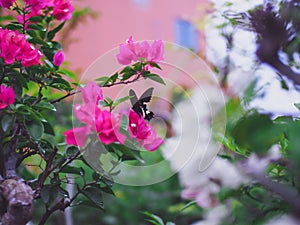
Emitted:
<point x="14" y="46"/>
<point x="107" y="125"/>
<point x="60" y="9"/>
<point x="140" y="51"/>
<point x="7" y="96"/>
<point x="102" y="122"/>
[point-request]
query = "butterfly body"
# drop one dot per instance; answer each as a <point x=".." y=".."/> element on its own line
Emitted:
<point x="139" y="104"/>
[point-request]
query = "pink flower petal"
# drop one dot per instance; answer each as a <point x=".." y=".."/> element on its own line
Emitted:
<point x="91" y="93"/>
<point x="58" y="58"/>
<point x="7" y="96"/>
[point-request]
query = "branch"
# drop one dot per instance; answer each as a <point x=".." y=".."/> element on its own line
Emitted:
<point x="46" y="172"/>
<point x="106" y="85"/>
<point x="16" y="202"/>
<point x="63" y="97"/>
<point x="39" y="98"/>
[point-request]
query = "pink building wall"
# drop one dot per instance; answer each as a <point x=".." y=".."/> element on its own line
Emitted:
<point x="118" y="19"/>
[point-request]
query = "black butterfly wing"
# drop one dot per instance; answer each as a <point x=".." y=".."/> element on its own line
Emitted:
<point x="135" y="103"/>
<point x="146" y="96"/>
<point x="139" y="105"/>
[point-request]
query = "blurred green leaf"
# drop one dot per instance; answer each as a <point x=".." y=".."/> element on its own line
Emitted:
<point x="7" y="122"/>
<point x="94" y="194"/>
<point x="35" y="128"/>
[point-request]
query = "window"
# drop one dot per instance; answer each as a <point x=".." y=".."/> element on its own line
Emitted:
<point x="186" y="34"/>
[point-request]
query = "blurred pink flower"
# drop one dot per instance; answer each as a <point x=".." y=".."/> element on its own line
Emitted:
<point x="140" y="51"/>
<point x="141" y="130"/>
<point x="6" y="3"/>
<point x="7" y="96"/>
<point x="58" y="58"/>
<point x="77" y="136"/>
<point x="63" y="9"/>
<point x="91" y="93"/>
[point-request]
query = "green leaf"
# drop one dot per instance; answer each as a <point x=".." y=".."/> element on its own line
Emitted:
<point x="297" y="105"/>
<point x="60" y="84"/>
<point x="256" y="132"/>
<point x="45" y="105"/>
<point x="188" y="205"/>
<point x="5" y="18"/>
<point x="124" y="123"/>
<point x="120" y="100"/>
<point x="52" y="33"/>
<point x="36" y="19"/>
<point x="72" y="170"/>
<point x="71" y="151"/>
<point x="7" y="122"/>
<point x="35" y="128"/>
<point x="154" y="219"/>
<point x="114" y="77"/>
<point x="170" y="223"/>
<point x="94" y="194"/>
<point x="48" y="128"/>
<point x="154" y="77"/>
<point x="69" y="74"/>
<point x="36" y="27"/>
<point x="103" y="80"/>
<point x="154" y="64"/>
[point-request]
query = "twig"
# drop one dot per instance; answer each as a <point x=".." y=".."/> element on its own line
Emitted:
<point x="104" y="86"/>
<point x="46" y="172"/>
<point x="39" y="98"/>
<point x="65" y="96"/>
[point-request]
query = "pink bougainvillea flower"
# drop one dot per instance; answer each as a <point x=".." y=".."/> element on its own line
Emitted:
<point x="63" y="9"/>
<point x="91" y="93"/>
<point x="35" y="6"/>
<point x="77" y="136"/>
<point x="14" y="46"/>
<point x="108" y="128"/>
<point x="102" y="122"/>
<point x="144" y="134"/>
<point x="140" y="51"/>
<point x="58" y="58"/>
<point x="153" y="141"/>
<point x="7" y="96"/>
<point x="6" y="3"/>
<point x="31" y="57"/>
<point x="156" y="52"/>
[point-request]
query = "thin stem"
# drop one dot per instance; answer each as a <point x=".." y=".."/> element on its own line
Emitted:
<point x="46" y="172"/>
<point x="106" y="85"/>
<point x="39" y="98"/>
<point x="65" y="96"/>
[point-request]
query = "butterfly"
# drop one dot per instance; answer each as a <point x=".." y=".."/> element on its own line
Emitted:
<point x="139" y="105"/>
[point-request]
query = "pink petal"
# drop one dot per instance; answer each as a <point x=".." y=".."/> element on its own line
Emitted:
<point x="58" y="58"/>
<point x="7" y="96"/>
<point x="92" y="93"/>
<point x="77" y="136"/>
